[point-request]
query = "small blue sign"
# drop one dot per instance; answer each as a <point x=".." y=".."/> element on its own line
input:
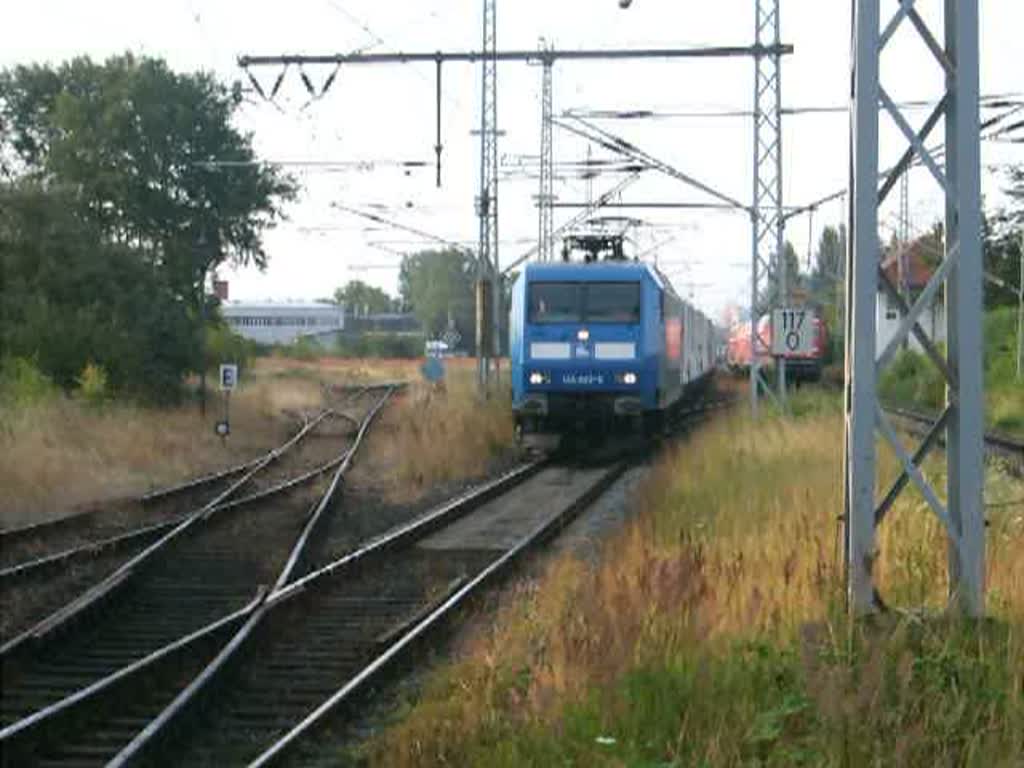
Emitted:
<point x="432" y="369"/>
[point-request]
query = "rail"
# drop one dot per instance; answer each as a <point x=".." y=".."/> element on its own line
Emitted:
<point x="29" y="727"/>
<point x="9" y="536"/>
<point x="997" y="443"/>
<point x="38" y="633"/>
<point x="436" y="616"/>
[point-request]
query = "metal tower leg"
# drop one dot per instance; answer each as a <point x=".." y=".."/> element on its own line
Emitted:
<point x="768" y="267"/>
<point x="959" y="273"/>
<point x="965" y="434"/>
<point x="862" y="260"/>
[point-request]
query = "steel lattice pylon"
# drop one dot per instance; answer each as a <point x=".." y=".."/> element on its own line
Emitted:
<point x="767" y="261"/>
<point x="487" y="204"/>
<point x="960" y="274"/>
<point x="903" y="237"/>
<point x="546" y="191"/>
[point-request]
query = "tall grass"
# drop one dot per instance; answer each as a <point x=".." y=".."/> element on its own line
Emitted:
<point x="712" y="633"/>
<point x="438" y="435"/>
<point x="58" y="452"/>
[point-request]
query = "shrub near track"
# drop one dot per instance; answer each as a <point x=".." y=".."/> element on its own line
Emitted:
<point x="712" y="632"/>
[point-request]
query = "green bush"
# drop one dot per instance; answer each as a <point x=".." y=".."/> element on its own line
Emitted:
<point x="22" y="383"/>
<point x="225" y="346"/>
<point x="93" y="386"/>
<point x="69" y="297"/>
<point x="381" y="345"/>
<point x="911" y="379"/>
<point x="302" y="348"/>
<point x="1001" y="347"/>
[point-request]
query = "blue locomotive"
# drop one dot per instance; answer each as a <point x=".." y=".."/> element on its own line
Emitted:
<point x="602" y="344"/>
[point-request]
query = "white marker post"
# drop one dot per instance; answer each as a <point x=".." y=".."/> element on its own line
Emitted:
<point x="792" y="332"/>
<point x="228" y="382"/>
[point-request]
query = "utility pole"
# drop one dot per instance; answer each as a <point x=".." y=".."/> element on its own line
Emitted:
<point x="488" y="277"/>
<point x="768" y="258"/>
<point x="959" y="274"/>
<point x="545" y="193"/>
<point x="201" y="246"/>
<point x="903" y="242"/>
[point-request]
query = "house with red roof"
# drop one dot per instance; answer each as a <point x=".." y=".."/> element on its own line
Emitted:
<point x="908" y="270"/>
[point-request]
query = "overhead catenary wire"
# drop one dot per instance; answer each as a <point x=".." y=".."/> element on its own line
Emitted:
<point x="618" y="144"/>
<point x="400" y="226"/>
<point x="988" y="101"/>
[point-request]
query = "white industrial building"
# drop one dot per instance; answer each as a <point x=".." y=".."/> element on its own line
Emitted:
<point x="283" y="322"/>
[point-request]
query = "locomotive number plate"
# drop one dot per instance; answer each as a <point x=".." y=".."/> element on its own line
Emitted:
<point x="583" y="378"/>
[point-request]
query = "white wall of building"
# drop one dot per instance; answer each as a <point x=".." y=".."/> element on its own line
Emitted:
<point x="887" y="321"/>
<point x="282" y="323"/>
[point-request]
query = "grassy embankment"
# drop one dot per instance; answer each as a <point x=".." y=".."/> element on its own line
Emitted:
<point x="59" y="451"/>
<point x="712" y="632"/>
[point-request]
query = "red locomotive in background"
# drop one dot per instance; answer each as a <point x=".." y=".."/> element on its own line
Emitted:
<point x="806" y="366"/>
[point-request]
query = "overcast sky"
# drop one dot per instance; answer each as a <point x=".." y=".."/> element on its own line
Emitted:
<point x="384" y="114"/>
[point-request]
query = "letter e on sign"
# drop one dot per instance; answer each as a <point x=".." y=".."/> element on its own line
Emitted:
<point x="228" y="377"/>
<point x="792" y="332"/>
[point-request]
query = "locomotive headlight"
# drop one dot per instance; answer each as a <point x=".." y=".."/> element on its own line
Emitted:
<point x="629" y="378"/>
<point x="582" y="334"/>
<point x="536" y="377"/>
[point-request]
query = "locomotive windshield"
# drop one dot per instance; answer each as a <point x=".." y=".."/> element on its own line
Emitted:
<point x="612" y="303"/>
<point x="555" y="303"/>
<point x="584" y="302"/>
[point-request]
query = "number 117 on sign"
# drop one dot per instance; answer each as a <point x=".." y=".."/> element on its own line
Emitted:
<point x="792" y="332"/>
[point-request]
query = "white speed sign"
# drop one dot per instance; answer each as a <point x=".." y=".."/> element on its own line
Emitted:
<point x="792" y="332"/>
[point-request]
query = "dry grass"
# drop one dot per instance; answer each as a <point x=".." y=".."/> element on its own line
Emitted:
<point x="435" y="436"/>
<point x="370" y="370"/>
<point x="342" y="371"/>
<point x="712" y="633"/>
<point x="62" y="453"/>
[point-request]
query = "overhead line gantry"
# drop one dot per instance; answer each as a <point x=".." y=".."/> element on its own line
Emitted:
<point x="489" y="57"/>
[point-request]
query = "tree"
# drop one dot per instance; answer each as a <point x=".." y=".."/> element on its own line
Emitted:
<point x="1002" y="233"/>
<point x="68" y="298"/>
<point x="137" y="140"/>
<point x="438" y="287"/>
<point x="114" y="211"/>
<point x="362" y="298"/>
<point x="793" y="275"/>
<point x="829" y="258"/>
<point x="1002" y="247"/>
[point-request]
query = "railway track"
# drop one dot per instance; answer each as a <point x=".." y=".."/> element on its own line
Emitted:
<point x="143" y="534"/>
<point x="255" y="679"/>
<point x="187" y="591"/>
<point x="996" y="444"/>
<point x="316" y="636"/>
<point x="307" y="455"/>
<point x="97" y="527"/>
<point x="100" y="526"/>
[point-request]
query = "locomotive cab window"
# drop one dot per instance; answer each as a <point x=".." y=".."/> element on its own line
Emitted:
<point x="584" y="302"/>
<point x="555" y="303"/>
<point x="612" y="303"/>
